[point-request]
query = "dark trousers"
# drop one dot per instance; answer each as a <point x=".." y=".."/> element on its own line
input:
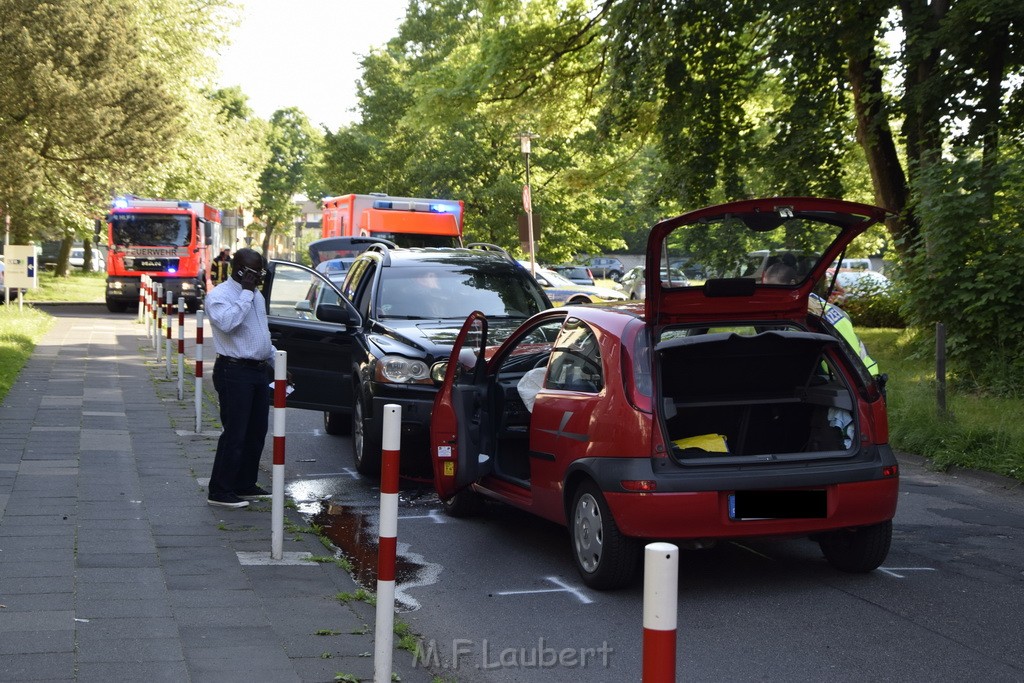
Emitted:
<point x="244" y="407"/>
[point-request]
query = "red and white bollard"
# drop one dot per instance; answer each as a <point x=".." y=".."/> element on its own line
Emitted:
<point x="158" y="309"/>
<point x="277" y="490"/>
<point x="181" y="348"/>
<point x="661" y="589"/>
<point x="168" y="318"/>
<point x="199" y="371"/>
<point x="142" y="299"/>
<point x="387" y="543"/>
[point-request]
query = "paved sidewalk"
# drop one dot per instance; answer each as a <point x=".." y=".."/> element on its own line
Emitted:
<point x="112" y="565"/>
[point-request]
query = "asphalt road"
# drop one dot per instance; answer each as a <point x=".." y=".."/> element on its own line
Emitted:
<point x="497" y="598"/>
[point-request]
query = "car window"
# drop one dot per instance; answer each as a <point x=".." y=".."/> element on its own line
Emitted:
<point x="291" y="285"/>
<point x="575" y="363"/>
<point x="431" y="291"/>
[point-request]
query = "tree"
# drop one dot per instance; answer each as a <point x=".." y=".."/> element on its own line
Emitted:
<point x="294" y="147"/>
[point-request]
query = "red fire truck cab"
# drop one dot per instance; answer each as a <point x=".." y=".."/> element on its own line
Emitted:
<point x="169" y="240"/>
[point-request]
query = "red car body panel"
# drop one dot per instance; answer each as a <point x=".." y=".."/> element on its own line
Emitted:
<point x="706" y="513"/>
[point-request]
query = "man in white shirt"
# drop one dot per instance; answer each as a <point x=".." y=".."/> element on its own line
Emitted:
<point x="237" y="313"/>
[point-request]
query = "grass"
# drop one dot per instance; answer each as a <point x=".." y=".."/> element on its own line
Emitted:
<point x="77" y="286"/>
<point x="980" y="432"/>
<point x="20" y="331"/>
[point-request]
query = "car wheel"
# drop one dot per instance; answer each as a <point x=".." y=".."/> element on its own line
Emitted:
<point x="465" y="503"/>
<point x="337" y="424"/>
<point x="857" y="550"/>
<point x="615" y="275"/>
<point x="604" y="557"/>
<point x="366" y="441"/>
<point x="577" y="300"/>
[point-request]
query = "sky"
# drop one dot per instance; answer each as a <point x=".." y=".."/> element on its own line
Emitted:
<point x="305" y="53"/>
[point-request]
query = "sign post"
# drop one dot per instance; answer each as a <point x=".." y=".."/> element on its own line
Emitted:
<point x="20" y="268"/>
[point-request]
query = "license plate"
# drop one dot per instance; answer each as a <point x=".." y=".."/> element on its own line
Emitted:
<point x="747" y="505"/>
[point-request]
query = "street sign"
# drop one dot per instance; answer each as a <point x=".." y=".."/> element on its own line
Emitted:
<point x="20" y="266"/>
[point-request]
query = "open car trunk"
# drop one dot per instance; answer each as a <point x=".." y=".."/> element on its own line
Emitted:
<point x="768" y="397"/>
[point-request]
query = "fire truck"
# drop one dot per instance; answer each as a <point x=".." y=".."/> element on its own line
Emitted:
<point x="406" y="221"/>
<point x="167" y="239"/>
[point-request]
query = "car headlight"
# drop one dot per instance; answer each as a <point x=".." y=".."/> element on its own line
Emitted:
<point x="401" y="370"/>
<point x="188" y="286"/>
<point x="115" y="285"/>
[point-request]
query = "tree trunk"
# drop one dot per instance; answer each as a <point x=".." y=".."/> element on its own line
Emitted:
<point x="875" y="137"/>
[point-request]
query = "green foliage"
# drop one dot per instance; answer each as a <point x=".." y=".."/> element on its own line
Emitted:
<point x="965" y="272"/>
<point x="984" y="432"/>
<point x="870" y="306"/>
<point x="294" y="149"/>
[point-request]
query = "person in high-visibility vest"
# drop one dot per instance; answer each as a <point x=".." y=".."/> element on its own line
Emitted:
<point x="221" y="266"/>
<point x="837" y="318"/>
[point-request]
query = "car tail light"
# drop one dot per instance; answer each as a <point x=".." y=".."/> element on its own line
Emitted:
<point x="891" y="471"/>
<point x="639" y="484"/>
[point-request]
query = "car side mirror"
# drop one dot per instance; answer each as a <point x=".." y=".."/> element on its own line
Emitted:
<point x="333" y="313"/>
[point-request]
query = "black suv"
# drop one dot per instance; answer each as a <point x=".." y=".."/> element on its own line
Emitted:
<point x="384" y="335"/>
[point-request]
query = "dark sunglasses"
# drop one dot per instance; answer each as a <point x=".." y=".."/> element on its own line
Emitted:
<point x="258" y="273"/>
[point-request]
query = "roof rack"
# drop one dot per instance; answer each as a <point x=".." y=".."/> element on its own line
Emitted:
<point x="485" y="246"/>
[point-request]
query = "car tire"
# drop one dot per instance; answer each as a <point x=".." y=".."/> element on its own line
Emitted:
<point x="465" y="503"/>
<point x="605" y="558"/>
<point x="337" y="424"/>
<point x="858" y="550"/>
<point x="615" y="275"/>
<point x="366" y="440"/>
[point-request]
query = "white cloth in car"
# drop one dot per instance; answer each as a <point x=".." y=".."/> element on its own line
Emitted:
<point x="529" y="385"/>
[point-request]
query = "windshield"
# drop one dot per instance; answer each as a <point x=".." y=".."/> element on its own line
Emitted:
<point x="151" y="230"/>
<point x="433" y="293"/>
<point x="554" y="279"/>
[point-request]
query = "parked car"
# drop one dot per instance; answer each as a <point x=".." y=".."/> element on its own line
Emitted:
<point x="633" y="283"/>
<point x="76" y="259"/>
<point x="379" y="337"/>
<point x="853" y="284"/>
<point x="606" y="267"/>
<point x="713" y="411"/>
<point x="581" y="275"/>
<point x="690" y="268"/>
<point x="563" y="291"/>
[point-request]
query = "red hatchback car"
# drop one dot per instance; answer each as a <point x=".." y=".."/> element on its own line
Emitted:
<point x="720" y="410"/>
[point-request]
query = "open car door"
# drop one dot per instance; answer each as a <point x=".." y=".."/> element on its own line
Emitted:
<point x="459" y="422"/>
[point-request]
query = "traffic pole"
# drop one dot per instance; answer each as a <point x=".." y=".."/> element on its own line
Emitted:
<point x="661" y="588"/>
<point x="181" y="348"/>
<point x="151" y="311"/>
<point x="167" y="329"/>
<point x="199" y="371"/>
<point x="387" y="544"/>
<point x="142" y="299"/>
<point x="277" y="489"/>
<point x="158" y="343"/>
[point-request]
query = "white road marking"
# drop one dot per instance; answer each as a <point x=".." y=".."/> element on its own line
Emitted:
<point x="562" y="588"/>
<point x="892" y="571"/>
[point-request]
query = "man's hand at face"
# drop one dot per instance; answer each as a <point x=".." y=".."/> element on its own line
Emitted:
<point x="249" y="278"/>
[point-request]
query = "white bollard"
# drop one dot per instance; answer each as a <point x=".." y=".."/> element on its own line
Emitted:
<point x="277" y="489"/>
<point x="142" y="299"/>
<point x="387" y="544"/>
<point x="661" y="589"/>
<point x="199" y="371"/>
